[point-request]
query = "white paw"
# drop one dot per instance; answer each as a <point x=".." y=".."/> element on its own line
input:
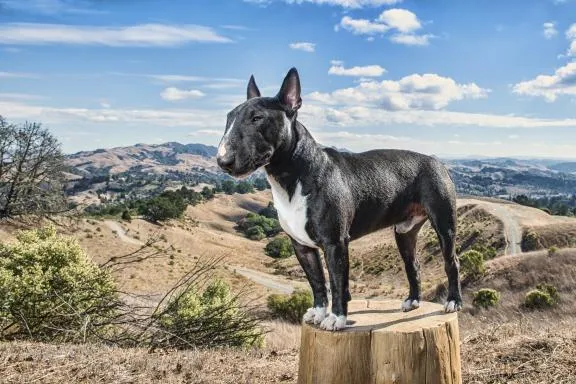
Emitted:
<point x="315" y="315"/>
<point x="408" y="305"/>
<point x="333" y="323"/>
<point x="451" y="306"/>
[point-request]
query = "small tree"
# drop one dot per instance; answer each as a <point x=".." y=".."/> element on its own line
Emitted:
<point x="244" y="187"/>
<point x="486" y="298"/>
<point x="279" y="248"/>
<point x="229" y="187"/>
<point x="472" y="263"/>
<point x="255" y="233"/>
<point x="290" y="307"/>
<point x="530" y="241"/>
<point x="126" y="216"/>
<point x="207" y="193"/>
<point x="31" y="170"/>
<point x="50" y="290"/>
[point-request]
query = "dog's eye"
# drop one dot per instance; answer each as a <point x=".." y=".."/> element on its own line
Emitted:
<point x="257" y="118"/>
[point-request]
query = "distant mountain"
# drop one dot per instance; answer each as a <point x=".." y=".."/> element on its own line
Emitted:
<point x="160" y="158"/>
<point x="569" y="167"/>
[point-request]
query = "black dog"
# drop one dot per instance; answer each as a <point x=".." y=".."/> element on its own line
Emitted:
<point x="326" y="198"/>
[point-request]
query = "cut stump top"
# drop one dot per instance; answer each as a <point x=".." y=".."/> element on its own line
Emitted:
<point x="387" y="316"/>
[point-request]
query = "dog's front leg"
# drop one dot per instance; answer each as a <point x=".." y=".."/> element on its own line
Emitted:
<point x="309" y="259"/>
<point x="337" y="260"/>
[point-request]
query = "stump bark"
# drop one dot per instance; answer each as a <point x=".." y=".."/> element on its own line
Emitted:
<point x="383" y="345"/>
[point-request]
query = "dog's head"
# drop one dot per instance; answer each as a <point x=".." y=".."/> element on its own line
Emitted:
<point x="258" y="127"/>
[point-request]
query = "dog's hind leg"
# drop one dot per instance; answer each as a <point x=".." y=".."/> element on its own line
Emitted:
<point x="442" y="215"/>
<point x="406" y="242"/>
<point x="311" y="263"/>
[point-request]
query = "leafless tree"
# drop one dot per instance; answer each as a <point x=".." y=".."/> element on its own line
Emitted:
<point x="31" y="170"/>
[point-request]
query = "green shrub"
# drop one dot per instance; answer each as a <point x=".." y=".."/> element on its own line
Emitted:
<point x="162" y="208"/>
<point x="551" y="290"/>
<point x="486" y="298"/>
<point x="51" y="291"/>
<point x="269" y="212"/>
<point x="552" y="251"/>
<point x="537" y="299"/>
<point x="472" y="263"/>
<point x="290" y="307"/>
<point x="279" y="248"/>
<point x="530" y="241"/>
<point x="206" y="319"/>
<point x="270" y="227"/>
<point x="126" y="216"/>
<point x="487" y="251"/>
<point x="255" y="233"/>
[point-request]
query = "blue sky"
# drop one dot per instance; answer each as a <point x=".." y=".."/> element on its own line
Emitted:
<point x="451" y="78"/>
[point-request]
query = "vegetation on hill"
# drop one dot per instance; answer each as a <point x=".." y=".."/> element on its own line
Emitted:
<point x="31" y="171"/>
<point x="290" y="307"/>
<point x="279" y="248"/>
<point x="50" y="290"/>
<point x="167" y="205"/>
<point x="554" y="205"/>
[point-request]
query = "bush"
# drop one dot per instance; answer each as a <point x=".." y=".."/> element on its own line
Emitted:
<point x="472" y="263"/>
<point x="162" y="208"/>
<point x="126" y="215"/>
<point x="206" y="319"/>
<point x="487" y="251"/>
<point x="551" y="290"/>
<point x="271" y="227"/>
<point x="537" y="299"/>
<point x="290" y="307"/>
<point x="552" y="251"/>
<point x="486" y="298"/>
<point x="255" y="233"/>
<point x="279" y="248"/>
<point x="51" y="291"/>
<point x="269" y="212"/>
<point x="530" y="241"/>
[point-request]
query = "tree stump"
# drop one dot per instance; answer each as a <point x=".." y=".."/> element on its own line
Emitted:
<point x="382" y="345"/>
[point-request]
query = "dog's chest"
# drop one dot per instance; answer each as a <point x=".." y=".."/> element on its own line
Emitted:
<point x="292" y="212"/>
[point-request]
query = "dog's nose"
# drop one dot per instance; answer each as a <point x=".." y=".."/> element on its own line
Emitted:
<point x="225" y="163"/>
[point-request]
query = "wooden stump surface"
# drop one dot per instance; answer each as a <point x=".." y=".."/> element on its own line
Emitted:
<point x="382" y="344"/>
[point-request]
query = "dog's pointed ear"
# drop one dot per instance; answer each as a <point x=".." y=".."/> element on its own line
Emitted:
<point x="289" y="94"/>
<point x="252" y="90"/>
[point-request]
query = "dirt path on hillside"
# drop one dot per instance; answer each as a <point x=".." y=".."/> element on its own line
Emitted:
<point x="267" y="280"/>
<point x="113" y="225"/>
<point x="512" y="227"/>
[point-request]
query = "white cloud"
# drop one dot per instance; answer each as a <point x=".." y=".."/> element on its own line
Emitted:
<point x="562" y="82"/>
<point x="206" y="132"/>
<point x="571" y="35"/>
<point x="157" y="35"/>
<point x="549" y="30"/>
<point x="176" y="94"/>
<point x="571" y="32"/>
<point x="303" y="46"/>
<point x="340" y="3"/>
<point x="410" y="39"/>
<point x="338" y="69"/>
<point x="362" y="26"/>
<point x="15" y="75"/>
<point x="427" y="91"/>
<point x="49" y="7"/>
<point x="400" y="19"/>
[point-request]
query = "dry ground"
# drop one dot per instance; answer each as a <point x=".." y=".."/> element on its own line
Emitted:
<point x="502" y="345"/>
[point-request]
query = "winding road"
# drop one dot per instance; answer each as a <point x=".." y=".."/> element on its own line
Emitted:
<point x="113" y="225"/>
<point x="512" y="228"/>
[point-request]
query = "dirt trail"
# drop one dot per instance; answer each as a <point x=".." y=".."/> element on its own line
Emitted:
<point x="113" y="225"/>
<point x="267" y="280"/>
<point x="512" y="227"/>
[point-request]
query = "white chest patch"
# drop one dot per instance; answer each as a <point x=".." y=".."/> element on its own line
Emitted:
<point x="292" y="212"/>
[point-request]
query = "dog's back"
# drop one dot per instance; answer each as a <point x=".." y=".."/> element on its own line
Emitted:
<point x="389" y="186"/>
